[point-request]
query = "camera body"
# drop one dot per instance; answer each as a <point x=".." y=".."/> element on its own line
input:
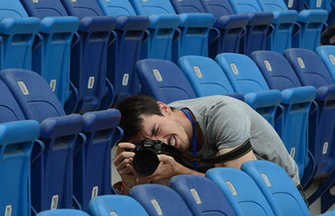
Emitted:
<point x="146" y="155"/>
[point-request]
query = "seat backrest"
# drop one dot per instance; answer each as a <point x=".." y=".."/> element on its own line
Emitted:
<point x="62" y="212"/>
<point x="327" y="54"/>
<point x="115" y="205"/>
<point x="83" y="8"/>
<point x="117" y="7"/>
<point x="16" y="143"/>
<point x="153" y="7"/>
<point x="45" y="8"/>
<point x="242" y="72"/>
<point x="12" y="9"/>
<point x="163" y="80"/>
<point x="189" y="6"/>
<point x="160" y="200"/>
<point x="194" y="190"/>
<point x="276" y="69"/>
<point x="218" y="7"/>
<point x="309" y="67"/>
<point x="245" y="6"/>
<point x="273" y="5"/>
<point x="242" y="192"/>
<point x="32" y="93"/>
<point x="10" y="110"/>
<point x="277" y="187"/>
<point x="205" y="75"/>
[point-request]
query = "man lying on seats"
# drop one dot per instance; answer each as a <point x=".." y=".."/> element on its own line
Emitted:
<point x="215" y="130"/>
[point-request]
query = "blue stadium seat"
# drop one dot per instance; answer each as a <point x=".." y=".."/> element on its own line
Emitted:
<point x="131" y="31"/>
<point x="317" y="4"/>
<point x="277" y="187"/>
<point x="115" y="205"/>
<point x="327" y="54"/>
<point x="311" y="24"/>
<point x="160" y="200"/>
<point x="296" y="103"/>
<point x="283" y="24"/>
<point x="295" y="4"/>
<point x="51" y="176"/>
<point x="163" y="80"/>
<point x="17" y="35"/>
<point x="205" y="75"/>
<point x="193" y="28"/>
<point x="195" y="191"/>
<point x="246" y="78"/>
<point x="259" y="25"/>
<point x="51" y="57"/>
<point x="89" y="54"/>
<point x="62" y="212"/>
<point x="241" y="191"/>
<point x="92" y="173"/>
<point x="312" y="72"/>
<point x="228" y="28"/>
<point x="16" y="143"/>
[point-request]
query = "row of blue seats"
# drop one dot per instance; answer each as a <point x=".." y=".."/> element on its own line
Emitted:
<point x="295" y="92"/>
<point x="261" y="188"/>
<point x="49" y="159"/>
<point x="88" y="62"/>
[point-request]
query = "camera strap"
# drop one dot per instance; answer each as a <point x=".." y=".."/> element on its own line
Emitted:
<point x="194" y="136"/>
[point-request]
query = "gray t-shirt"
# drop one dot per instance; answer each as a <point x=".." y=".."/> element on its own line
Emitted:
<point x="227" y="122"/>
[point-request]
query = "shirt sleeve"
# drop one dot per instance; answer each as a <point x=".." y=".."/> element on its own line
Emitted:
<point x="228" y="125"/>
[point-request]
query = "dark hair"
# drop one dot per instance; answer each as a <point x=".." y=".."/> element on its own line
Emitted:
<point x="131" y="108"/>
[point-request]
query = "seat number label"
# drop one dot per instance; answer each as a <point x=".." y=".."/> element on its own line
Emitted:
<point x="90" y="84"/>
<point x="290" y="3"/>
<point x="54" y="202"/>
<point x="35" y="1"/>
<point x="157" y="75"/>
<point x="301" y="62"/>
<point x="95" y="192"/>
<point x="325" y="148"/>
<point x="53" y="85"/>
<point x="196" y="196"/>
<point x="23" y="88"/>
<point x="234" y="68"/>
<point x="332" y="59"/>
<point x="158" y="209"/>
<point x="232" y="188"/>
<point x="8" y="211"/>
<point x="112" y="213"/>
<point x="125" y="79"/>
<point x="267" y="65"/>
<point x="197" y="72"/>
<point x="318" y="3"/>
<point x="266" y="180"/>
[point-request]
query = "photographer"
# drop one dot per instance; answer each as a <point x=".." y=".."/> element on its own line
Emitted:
<point x="218" y="127"/>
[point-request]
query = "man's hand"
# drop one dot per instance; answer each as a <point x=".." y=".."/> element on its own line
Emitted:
<point x="168" y="168"/>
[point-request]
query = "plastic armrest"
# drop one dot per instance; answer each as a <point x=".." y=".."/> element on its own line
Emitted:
<point x="101" y="120"/>
<point x="326" y="93"/>
<point x="19" y="132"/>
<point x="51" y="25"/>
<point x="55" y="127"/>
<point x="19" y="26"/>
<point x="95" y="24"/>
<point x="196" y="20"/>
<point x="298" y="95"/>
<point x="289" y="16"/>
<point x="313" y="16"/>
<point x="260" y="18"/>
<point x="232" y="22"/>
<point x="164" y="21"/>
<point x="268" y="98"/>
<point x="137" y="23"/>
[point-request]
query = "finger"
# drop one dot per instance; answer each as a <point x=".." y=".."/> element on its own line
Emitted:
<point x="122" y="156"/>
<point x="124" y="146"/>
<point x="165" y="158"/>
<point x="124" y="163"/>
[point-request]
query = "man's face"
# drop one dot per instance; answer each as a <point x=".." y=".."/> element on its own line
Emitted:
<point x="166" y="129"/>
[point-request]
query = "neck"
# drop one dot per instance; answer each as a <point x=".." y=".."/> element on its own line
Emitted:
<point x="185" y="123"/>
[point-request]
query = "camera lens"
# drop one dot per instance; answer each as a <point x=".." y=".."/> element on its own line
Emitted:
<point x="145" y="162"/>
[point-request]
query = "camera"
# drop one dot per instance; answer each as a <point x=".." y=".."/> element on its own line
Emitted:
<point x="146" y="155"/>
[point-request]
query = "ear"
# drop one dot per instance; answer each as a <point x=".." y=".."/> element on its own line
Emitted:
<point x="165" y="109"/>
